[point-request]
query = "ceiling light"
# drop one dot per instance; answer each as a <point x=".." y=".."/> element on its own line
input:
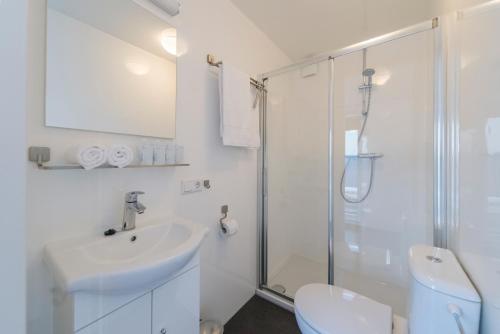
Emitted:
<point x="169" y="41"/>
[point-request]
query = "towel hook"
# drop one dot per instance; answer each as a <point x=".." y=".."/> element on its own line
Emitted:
<point x="211" y="61"/>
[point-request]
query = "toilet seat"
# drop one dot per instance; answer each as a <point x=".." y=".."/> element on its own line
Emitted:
<point x="327" y="309"/>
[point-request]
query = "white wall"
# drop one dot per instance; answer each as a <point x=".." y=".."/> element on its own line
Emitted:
<point x="69" y="203"/>
<point x="13" y="20"/>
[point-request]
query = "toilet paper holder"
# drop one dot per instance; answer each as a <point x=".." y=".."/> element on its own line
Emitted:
<point x="224" y="210"/>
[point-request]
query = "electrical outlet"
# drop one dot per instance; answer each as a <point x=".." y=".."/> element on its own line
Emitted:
<point x="192" y="186"/>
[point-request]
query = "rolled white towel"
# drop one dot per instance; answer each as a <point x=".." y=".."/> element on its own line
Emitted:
<point x="120" y="156"/>
<point x="88" y="157"/>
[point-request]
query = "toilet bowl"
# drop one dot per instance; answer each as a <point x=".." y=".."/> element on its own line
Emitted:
<point x="442" y="300"/>
<point x="321" y="308"/>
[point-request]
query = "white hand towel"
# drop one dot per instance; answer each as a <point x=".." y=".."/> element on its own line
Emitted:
<point x="120" y="156"/>
<point x="239" y="121"/>
<point x="88" y="157"/>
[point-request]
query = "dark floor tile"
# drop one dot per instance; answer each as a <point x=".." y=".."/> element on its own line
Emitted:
<point x="258" y="316"/>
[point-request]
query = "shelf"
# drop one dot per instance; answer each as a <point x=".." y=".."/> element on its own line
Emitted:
<point x="40" y="155"/>
<point x="73" y="167"/>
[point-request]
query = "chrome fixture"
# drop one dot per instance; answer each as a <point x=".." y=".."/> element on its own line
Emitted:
<point x="366" y="89"/>
<point x="254" y="82"/>
<point x="132" y="207"/>
<point x="39" y="155"/>
<point x="368" y="80"/>
<point x="224" y="210"/>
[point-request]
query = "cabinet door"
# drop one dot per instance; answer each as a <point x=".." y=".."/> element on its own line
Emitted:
<point x="176" y="305"/>
<point x="133" y="318"/>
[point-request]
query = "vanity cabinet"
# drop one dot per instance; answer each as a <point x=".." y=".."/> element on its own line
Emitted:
<point x="176" y="305"/>
<point x="170" y="307"/>
<point x="133" y="318"/>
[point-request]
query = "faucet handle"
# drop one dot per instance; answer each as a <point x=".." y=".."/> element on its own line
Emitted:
<point x="132" y="196"/>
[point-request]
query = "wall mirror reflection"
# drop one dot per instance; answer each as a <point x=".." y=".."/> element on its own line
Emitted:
<point x="111" y="67"/>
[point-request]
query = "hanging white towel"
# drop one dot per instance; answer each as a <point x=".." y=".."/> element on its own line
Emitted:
<point x="89" y="157"/>
<point x="239" y="121"/>
<point x="120" y="156"/>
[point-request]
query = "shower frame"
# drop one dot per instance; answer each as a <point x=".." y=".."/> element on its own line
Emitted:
<point x="441" y="154"/>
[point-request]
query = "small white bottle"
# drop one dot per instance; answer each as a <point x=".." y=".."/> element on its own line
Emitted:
<point x="179" y="154"/>
<point x="170" y="153"/>
<point x="146" y="154"/>
<point x="159" y="153"/>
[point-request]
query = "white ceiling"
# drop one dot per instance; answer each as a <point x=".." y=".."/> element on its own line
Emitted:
<point x="305" y="27"/>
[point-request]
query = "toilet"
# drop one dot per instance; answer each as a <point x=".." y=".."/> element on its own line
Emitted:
<point x="442" y="300"/>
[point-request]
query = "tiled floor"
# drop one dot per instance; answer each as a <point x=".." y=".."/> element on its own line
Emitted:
<point x="259" y="316"/>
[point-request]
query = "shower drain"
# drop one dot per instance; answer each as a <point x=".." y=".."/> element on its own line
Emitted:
<point x="279" y="288"/>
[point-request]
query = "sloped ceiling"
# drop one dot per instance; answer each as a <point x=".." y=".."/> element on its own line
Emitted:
<point x="305" y="27"/>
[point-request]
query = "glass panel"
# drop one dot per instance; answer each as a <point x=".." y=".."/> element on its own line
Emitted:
<point x="297" y="149"/>
<point x="383" y="165"/>
<point x="477" y="241"/>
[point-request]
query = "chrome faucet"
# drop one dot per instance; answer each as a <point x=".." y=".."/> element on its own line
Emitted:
<point x="132" y="207"/>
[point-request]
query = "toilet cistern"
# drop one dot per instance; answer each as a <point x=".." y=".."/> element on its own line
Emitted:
<point x="132" y="207"/>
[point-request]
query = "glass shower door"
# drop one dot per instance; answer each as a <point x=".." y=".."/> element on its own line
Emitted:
<point x="296" y="209"/>
<point x="383" y="165"/>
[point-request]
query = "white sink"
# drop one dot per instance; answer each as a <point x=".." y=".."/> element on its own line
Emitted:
<point x="127" y="260"/>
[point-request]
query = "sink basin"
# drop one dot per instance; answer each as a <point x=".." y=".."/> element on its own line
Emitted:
<point x="127" y="260"/>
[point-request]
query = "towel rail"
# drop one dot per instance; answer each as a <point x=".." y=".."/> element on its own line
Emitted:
<point x="254" y="82"/>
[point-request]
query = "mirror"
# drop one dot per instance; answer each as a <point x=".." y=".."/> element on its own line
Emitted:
<point x="111" y="67"/>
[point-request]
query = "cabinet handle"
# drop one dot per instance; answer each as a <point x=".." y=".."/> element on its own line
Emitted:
<point x="163" y="331"/>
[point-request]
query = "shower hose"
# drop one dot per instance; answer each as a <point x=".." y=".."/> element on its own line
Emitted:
<point x="365" y="114"/>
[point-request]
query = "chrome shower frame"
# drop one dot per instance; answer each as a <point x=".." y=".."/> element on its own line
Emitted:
<point x="441" y="152"/>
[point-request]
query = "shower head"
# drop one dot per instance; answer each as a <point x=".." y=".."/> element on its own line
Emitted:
<point x="369" y="72"/>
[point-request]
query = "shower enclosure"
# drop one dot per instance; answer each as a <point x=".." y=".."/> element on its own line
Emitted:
<point x="351" y="167"/>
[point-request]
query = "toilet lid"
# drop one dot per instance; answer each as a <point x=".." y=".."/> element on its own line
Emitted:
<point x="329" y="310"/>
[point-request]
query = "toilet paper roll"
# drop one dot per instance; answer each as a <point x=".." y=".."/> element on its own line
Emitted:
<point x="229" y="226"/>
